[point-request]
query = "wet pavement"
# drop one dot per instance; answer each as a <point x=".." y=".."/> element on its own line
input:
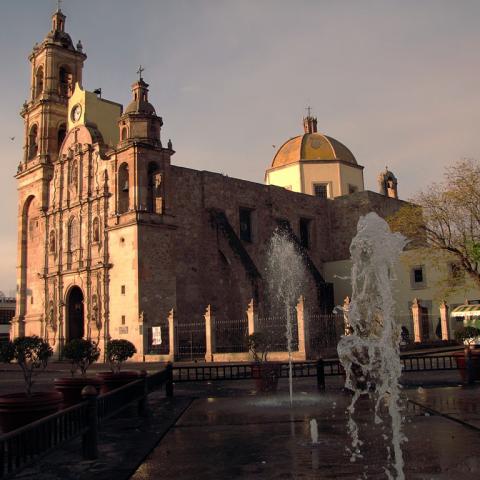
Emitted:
<point x="458" y="403"/>
<point x="224" y="430"/>
<point x="256" y="437"/>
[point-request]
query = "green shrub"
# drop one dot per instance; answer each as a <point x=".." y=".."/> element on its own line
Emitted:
<point x="259" y="343"/>
<point x="81" y="353"/>
<point x="30" y="353"/>
<point x="467" y="335"/>
<point x="117" y="352"/>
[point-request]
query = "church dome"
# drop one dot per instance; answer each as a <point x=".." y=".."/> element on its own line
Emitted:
<point x="312" y="146"/>
<point x="140" y="106"/>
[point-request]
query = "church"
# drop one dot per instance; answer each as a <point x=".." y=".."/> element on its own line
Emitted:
<point x="115" y="240"/>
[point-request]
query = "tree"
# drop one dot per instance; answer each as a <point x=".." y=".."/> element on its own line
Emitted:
<point x="445" y="218"/>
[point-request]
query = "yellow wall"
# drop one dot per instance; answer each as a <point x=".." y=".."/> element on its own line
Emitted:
<point x="288" y="176"/>
<point x="321" y="173"/>
<point x="103" y="113"/>
<point x="123" y="256"/>
<point x="352" y="176"/>
<point x="338" y="273"/>
<point x="302" y="176"/>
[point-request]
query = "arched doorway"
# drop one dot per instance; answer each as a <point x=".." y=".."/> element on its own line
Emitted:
<point x="75" y="320"/>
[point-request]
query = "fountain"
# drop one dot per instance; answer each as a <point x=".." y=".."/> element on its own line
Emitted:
<point x="314" y="431"/>
<point x="285" y="276"/>
<point x="370" y="354"/>
<point x="250" y="436"/>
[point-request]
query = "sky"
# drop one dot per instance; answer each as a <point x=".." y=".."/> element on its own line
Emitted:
<point x="395" y="81"/>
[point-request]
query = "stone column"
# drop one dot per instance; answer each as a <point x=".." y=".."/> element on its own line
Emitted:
<point x="302" y="327"/>
<point x="251" y="316"/>
<point x="171" y="334"/>
<point x="209" y="334"/>
<point x="444" y="320"/>
<point x="417" y="327"/>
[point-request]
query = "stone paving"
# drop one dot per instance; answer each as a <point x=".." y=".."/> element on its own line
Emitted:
<point x="224" y="430"/>
<point x="254" y="437"/>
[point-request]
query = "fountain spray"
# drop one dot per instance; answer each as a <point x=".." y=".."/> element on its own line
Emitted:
<point x="370" y="354"/>
<point x="285" y="276"/>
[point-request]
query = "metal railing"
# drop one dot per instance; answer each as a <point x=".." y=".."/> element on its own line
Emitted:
<point x="27" y="444"/>
<point x="429" y="363"/>
<point x="245" y="371"/>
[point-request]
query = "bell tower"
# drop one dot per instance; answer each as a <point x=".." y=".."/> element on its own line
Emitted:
<point x="144" y="163"/>
<point x="56" y="66"/>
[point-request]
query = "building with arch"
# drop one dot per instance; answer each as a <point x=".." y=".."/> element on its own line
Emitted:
<point x="116" y="241"/>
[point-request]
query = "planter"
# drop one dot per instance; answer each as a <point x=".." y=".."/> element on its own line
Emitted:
<point x="462" y="365"/>
<point x="17" y="410"/>
<point x="266" y="376"/>
<point x="111" y="381"/>
<point x="71" y="388"/>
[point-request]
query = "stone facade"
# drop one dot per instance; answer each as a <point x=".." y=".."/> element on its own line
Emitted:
<point x="114" y="239"/>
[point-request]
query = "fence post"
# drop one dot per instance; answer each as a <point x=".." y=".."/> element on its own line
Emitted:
<point x="302" y="329"/>
<point x="143" y="402"/>
<point x="90" y="437"/>
<point x="251" y="314"/>
<point x="169" y="382"/>
<point x="417" y="328"/>
<point x="209" y="334"/>
<point x="444" y="320"/>
<point x="171" y="335"/>
<point x="320" y="375"/>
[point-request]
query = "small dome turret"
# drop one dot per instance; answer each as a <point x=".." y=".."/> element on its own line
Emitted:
<point x="140" y="103"/>
<point x="139" y="121"/>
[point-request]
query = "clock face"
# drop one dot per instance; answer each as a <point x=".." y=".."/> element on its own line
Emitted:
<point x="76" y="113"/>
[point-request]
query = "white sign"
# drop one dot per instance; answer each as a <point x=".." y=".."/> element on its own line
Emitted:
<point x="156" y="335"/>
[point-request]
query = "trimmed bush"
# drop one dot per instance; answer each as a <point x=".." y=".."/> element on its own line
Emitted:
<point x="117" y="352"/>
<point x="81" y="353"/>
<point x="31" y="354"/>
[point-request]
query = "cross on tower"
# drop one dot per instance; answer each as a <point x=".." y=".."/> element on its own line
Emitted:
<point x="59" y="3"/>
<point x="309" y="111"/>
<point x="140" y="71"/>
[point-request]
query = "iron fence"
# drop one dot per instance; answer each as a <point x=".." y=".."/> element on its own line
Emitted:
<point x="231" y="336"/>
<point x="241" y="371"/>
<point x="275" y="327"/>
<point x="24" y="445"/>
<point x="27" y="444"/>
<point x="190" y="340"/>
<point x="325" y="332"/>
<point x="428" y="363"/>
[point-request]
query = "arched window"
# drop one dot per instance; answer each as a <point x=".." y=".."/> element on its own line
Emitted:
<point x="65" y="84"/>
<point x="62" y="132"/>
<point x="39" y="81"/>
<point x="72" y="235"/>
<point x="154" y="189"/>
<point x="52" y="247"/>
<point x="96" y="230"/>
<point x="123" y="189"/>
<point x="124" y="134"/>
<point x="33" y="142"/>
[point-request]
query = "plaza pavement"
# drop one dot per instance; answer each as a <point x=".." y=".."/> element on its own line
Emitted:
<point x="207" y="432"/>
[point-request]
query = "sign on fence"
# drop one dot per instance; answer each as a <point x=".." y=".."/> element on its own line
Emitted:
<point x="156" y="335"/>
